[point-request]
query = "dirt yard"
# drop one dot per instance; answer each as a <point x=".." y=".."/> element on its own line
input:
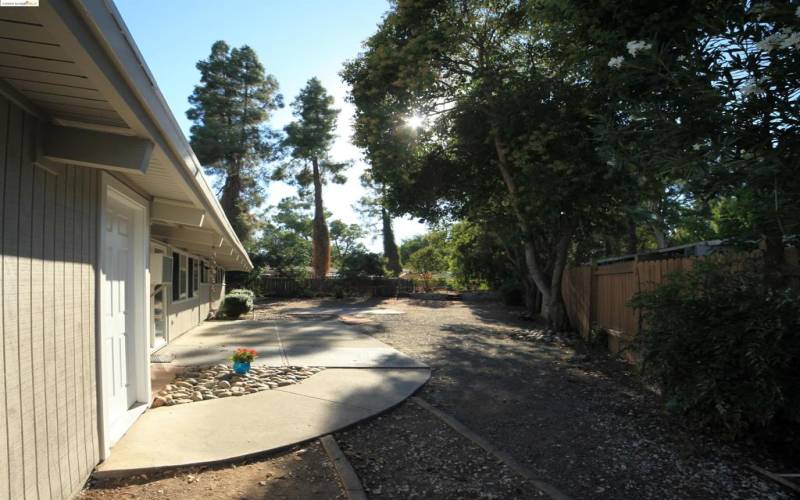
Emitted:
<point x="297" y="474"/>
<point x="574" y="416"/>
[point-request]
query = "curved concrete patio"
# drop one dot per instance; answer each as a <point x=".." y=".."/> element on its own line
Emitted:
<point x="364" y="377"/>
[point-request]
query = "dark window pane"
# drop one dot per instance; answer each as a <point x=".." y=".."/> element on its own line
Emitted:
<point x="183" y="276"/>
<point x="176" y="276"/>
<point x="191" y="277"/>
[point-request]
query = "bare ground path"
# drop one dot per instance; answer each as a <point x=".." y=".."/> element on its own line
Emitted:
<point x="578" y="420"/>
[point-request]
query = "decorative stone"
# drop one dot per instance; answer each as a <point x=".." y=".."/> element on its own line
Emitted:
<point x="219" y="381"/>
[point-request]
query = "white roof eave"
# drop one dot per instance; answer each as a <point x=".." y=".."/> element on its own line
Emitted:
<point x="148" y="107"/>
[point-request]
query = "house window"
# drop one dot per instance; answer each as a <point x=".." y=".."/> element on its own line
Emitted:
<point x="183" y="276"/>
<point x="176" y="276"/>
<point x="196" y="275"/>
<point x="191" y="278"/>
<point x="203" y="273"/>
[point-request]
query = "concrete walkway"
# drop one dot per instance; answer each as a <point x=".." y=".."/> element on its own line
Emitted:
<point x="301" y="342"/>
<point x="364" y="377"/>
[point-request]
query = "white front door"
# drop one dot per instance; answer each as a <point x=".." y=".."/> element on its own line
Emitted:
<point x="118" y="291"/>
<point x="124" y="381"/>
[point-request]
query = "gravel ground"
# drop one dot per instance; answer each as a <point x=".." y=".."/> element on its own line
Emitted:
<point x="575" y="417"/>
<point x="408" y="453"/>
<point x="299" y="474"/>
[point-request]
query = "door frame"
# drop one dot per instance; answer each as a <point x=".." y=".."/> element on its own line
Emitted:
<point x="112" y="187"/>
<point x="165" y="249"/>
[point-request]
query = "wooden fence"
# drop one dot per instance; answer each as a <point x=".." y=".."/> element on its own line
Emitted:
<point x="598" y="296"/>
<point x="293" y="287"/>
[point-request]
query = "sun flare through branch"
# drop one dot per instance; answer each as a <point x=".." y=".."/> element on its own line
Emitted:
<point x="415" y="121"/>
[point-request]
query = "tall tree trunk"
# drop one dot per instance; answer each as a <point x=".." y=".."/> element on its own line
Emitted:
<point x="553" y="309"/>
<point x="774" y="255"/>
<point x="532" y="298"/>
<point x="231" y="203"/>
<point x="390" y="251"/>
<point x="633" y="238"/>
<point x="321" y="252"/>
<point x="659" y="235"/>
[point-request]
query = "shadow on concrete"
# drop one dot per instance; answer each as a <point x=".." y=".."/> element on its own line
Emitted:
<point x="330" y="343"/>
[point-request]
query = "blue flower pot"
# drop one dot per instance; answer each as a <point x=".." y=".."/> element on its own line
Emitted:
<point x="241" y="368"/>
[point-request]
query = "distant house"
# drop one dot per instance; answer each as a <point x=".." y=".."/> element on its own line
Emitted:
<point x="112" y="242"/>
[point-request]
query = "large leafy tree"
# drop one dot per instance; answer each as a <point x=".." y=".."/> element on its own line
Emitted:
<point x="229" y="109"/>
<point x="310" y="138"/>
<point x="473" y="252"/>
<point x="507" y="127"/>
<point x="285" y="239"/>
<point x="345" y="239"/>
<point x="703" y="91"/>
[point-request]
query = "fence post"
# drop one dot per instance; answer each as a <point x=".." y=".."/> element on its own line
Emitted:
<point x="637" y="314"/>
<point x="592" y="306"/>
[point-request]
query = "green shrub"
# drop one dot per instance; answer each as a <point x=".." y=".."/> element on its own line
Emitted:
<point x="243" y="291"/>
<point x="723" y="346"/>
<point x="236" y="304"/>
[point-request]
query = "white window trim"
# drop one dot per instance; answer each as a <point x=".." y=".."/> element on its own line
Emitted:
<point x="197" y="260"/>
<point x="195" y="276"/>
<point x="183" y="276"/>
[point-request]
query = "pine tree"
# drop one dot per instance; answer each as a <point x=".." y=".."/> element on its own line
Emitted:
<point x="310" y="138"/>
<point x="229" y="108"/>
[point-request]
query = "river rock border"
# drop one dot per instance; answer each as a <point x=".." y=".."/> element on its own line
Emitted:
<point x="219" y="381"/>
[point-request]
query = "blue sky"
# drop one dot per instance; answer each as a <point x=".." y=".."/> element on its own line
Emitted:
<point x="295" y="40"/>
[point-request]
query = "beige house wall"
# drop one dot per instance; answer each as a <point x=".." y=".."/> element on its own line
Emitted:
<point x="183" y="315"/>
<point x="48" y="392"/>
<point x="49" y="420"/>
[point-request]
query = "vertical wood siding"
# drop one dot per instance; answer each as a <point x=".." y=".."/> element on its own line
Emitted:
<point x="48" y="406"/>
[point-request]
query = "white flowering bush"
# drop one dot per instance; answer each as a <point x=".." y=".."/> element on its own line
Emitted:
<point x="616" y="62"/>
<point x="636" y="46"/>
